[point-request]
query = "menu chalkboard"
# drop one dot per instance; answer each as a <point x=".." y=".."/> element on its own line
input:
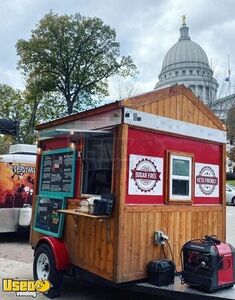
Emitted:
<point x="47" y="219"/>
<point x="57" y="172"/>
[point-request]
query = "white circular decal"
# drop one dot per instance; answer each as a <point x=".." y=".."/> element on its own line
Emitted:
<point x="207" y="180"/>
<point x="145" y="175"/>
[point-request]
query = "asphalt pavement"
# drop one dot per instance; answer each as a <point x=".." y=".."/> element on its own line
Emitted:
<point x="16" y="258"/>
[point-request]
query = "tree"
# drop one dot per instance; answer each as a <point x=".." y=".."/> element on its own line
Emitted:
<point x="124" y="88"/>
<point x="29" y="107"/>
<point x="39" y="107"/>
<point x="230" y="122"/>
<point x="10" y="102"/>
<point x="5" y="143"/>
<point x="11" y="105"/>
<point x="74" y="56"/>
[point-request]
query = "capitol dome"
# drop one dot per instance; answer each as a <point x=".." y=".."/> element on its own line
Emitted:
<point x="187" y="63"/>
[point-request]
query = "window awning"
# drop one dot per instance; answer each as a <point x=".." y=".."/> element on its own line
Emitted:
<point x="43" y="135"/>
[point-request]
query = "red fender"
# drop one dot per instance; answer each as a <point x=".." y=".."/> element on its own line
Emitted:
<point x="59" y="250"/>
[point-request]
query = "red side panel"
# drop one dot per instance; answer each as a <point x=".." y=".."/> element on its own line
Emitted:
<point x="152" y="144"/>
<point x="225" y="274"/>
<point x="59" y="250"/>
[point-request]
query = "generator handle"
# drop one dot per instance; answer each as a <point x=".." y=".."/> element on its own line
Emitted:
<point x="213" y="239"/>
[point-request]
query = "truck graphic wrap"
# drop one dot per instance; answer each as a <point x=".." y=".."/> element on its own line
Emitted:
<point x="16" y="184"/>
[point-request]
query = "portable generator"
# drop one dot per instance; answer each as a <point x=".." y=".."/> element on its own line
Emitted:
<point x="208" y="264"/>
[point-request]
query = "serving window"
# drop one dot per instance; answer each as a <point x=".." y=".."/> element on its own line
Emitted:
<point x="180" y="177"/>
<point x="97" y="164"/>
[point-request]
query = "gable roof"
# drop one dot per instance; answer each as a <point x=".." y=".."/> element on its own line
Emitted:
<point x="176" y="102"/>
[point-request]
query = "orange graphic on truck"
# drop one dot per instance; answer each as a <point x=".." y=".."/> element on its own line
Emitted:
<point x="16" y="184"/>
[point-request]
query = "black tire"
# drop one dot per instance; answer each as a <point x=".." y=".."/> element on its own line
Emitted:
<point x="233" y="201"/>
<point x="51" y="273"/>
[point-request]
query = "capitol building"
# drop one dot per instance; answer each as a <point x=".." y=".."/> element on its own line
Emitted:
<point x="187" y="63"/>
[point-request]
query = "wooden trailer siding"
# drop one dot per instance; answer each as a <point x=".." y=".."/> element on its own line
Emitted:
<point x="90" y="244"/>
<point x="121" y="179"/>
<point x="179" y="108"/>
<point x="181" y="224"/>
<point x="177" y="103"/>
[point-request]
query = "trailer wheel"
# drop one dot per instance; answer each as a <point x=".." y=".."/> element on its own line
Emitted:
<point x="44" y="268"/>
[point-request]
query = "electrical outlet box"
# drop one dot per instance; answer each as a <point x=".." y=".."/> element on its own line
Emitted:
<point x="159" y="238"/>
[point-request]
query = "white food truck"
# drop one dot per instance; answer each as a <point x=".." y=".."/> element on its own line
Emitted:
<point x="17" y="176"/>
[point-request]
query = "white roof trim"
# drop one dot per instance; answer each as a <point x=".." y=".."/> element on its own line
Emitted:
<point x="150" y="121"/>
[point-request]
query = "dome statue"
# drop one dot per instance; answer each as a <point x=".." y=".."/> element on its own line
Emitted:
<point x="187" y="63"/>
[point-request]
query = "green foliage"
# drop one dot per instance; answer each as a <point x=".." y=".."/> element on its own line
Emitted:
<point x="30" y="107"/>
<point x="73" y="56"/>
<point x="5" y="142"/>
<point x="231" y="182"/>
<point x="39" y="106"/>
<point x="10" y="100"/>
<point x="11" y="107"/>
<point x="230" y="122"/>
<point x="67" y="62"/>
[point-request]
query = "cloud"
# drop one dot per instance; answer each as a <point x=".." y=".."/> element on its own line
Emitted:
<point x="146" y="29"/>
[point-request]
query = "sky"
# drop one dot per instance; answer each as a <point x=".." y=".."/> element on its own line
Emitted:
<point x="146" y="29"/>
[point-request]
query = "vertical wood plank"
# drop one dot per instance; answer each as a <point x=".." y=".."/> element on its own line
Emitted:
<point x="167" y="108"/>
<point x="204" y="224"/>
<point x="195" y="116"/>
<point x="144" y="240"/>
<point x="199" y="224"/>
<point x="170" y="232"/>
<point x="157" y="226"/>
<point x="177" y="241"/>
<point x="103" y="252"/>
<point x="185" y="109"/>
<point x="154" y="107"/>
<point x="97" y="244"/>
<point x="179" y="101"/>
<point x="161" y="111"/>
<point x="87" y="237"/>
<point x="91" y="249"/>
<point x="173" y="107"/>
<point x="120" y="216"/>
<point x="150" y="231"/>
<point x="190" y="112"/>
<point x="194" y="229"/>
<point x="110" y="252"/>
<point x="188" y="226"/>
<point x="183" y="226"/>
<point x="127" y="255"/>
<point x="135" y="255"/>
<point x="147" y="108"/>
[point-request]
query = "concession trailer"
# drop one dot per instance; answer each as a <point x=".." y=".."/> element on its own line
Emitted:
<point x="111" y="180"/>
